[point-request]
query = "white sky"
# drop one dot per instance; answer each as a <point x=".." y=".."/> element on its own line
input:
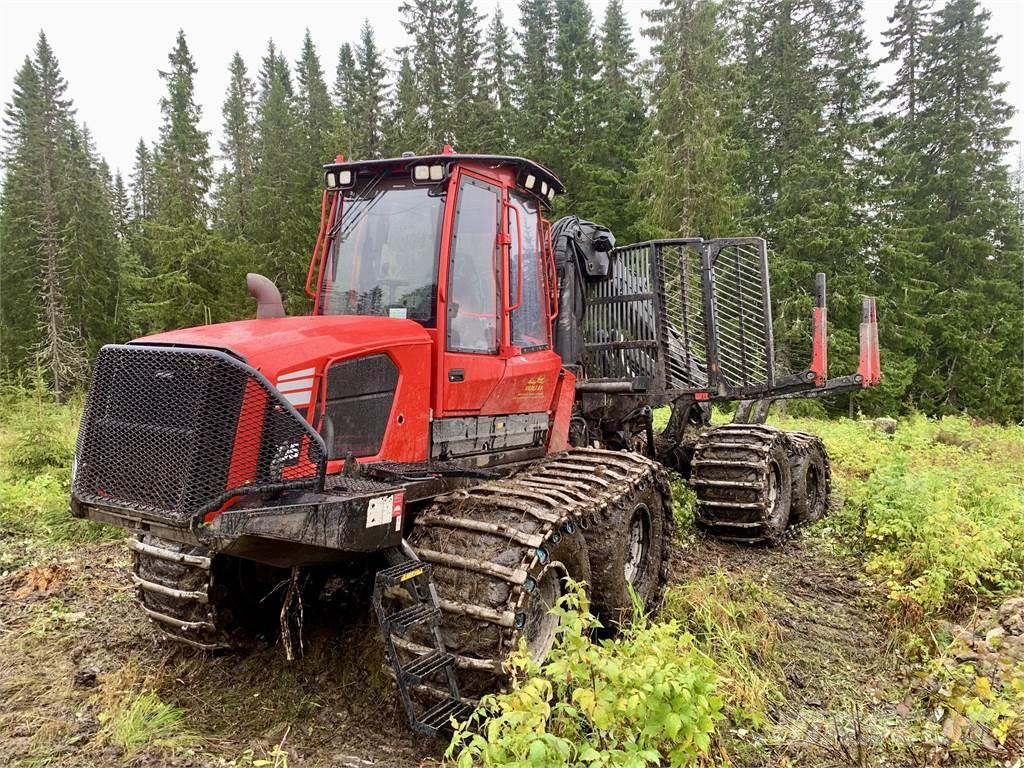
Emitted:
<point x="110" y="52"/>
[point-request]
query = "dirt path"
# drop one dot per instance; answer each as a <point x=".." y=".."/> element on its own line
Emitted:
<point x="839" y="679"/>
<point x="73" y="645"/>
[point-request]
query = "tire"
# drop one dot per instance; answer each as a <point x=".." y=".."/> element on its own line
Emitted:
<point x="812" y="478"/>
<point x="628" y="549"/>
<point x="485" y="614"/>
<point x="484" y="545"/>
<point x="204" y="599"/>
<point x="744" y="484"/>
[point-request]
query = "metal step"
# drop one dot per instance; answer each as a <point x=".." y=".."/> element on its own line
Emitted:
<point x="413" y="576"/>
<point x="421" y="613"/>
<point x="439" y="716"/>
<point x="395" y="575"/>
<point x="426" y="665"/>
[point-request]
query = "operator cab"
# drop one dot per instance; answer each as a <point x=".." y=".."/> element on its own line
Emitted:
<point x="460" y="245"/>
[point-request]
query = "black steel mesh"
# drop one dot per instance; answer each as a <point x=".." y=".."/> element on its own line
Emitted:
<point x="360" y="394"/>
<point x="739" y="271"/>
<point x="680" y="313"/>
<point x="172" y="433"/>
<point x="621" y="324"/>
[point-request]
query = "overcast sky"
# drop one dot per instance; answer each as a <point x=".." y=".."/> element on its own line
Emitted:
<point x="110" y="52"/>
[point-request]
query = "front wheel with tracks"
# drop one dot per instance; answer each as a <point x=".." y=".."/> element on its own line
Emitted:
<point x="204" y="599"/>
<point x="743" y="480"/>
<point x="501" y="552"/>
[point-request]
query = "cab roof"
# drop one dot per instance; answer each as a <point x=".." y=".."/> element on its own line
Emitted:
<point x="519" y="164"/>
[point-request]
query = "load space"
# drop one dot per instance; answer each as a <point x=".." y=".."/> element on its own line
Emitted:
<point x="465" y="421"/>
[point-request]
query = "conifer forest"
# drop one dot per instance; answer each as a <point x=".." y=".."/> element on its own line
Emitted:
<point x="764" y="118"/>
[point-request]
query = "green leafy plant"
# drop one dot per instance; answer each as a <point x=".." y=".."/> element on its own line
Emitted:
<point x="644" y="698"/>
<point x="731" y="622"/>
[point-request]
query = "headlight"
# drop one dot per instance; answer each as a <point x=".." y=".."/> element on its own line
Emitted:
<point x="338" y="179"/>
<point x="425" y="174"/>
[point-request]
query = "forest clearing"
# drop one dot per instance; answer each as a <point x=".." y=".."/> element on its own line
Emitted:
<point x="861" y="642"/>
<point x="614" y="384"/>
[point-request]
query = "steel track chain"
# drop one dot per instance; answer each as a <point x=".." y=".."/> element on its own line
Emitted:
<point x="746" y="449"/>
<point x="500" y="532"/>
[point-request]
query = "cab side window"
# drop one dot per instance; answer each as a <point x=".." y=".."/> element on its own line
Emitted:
<point x="529" y="320"/>
<point x="473" y="270"/>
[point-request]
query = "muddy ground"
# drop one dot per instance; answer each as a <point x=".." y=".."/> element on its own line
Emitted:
<point x="76" y="656"/>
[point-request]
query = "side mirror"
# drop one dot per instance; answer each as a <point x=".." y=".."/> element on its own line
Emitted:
<point x="268" y="298"/>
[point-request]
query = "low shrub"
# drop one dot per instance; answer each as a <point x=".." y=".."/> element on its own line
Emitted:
<point x="731" y="621"/>
<point x="646" y="697"/>
<point x="936" y="509"/>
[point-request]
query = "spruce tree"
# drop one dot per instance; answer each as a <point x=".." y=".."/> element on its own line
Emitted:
<point x="464" y="115"/>
<point x="368" y="106"/>
<point x="315" y="108"/>
<point x="281" y="182"/>
<point x="571" y="137"/>
<point x="972" y="239"/>
<point x="56" y="225"/>
<point x="406" y="124"/>
<point x="184" y="166"/>
<point x="691" y="155"/>
<point x="345" y="99"/>
<point x="808" y="93"/>
<point x="234" y="183"/>
<point x="143" y="183"/>
<point x="495" y="85"/>
<point x="901" y="277"/>
<point x="185" y="280"/>
<point x="534" y="78"/>
<point x="428" y="23"/>
<point x="620" y="124"/>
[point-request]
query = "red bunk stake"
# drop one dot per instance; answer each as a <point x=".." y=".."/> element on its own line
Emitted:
<point x="819" y="356"/>
<point x="870" y="363"/>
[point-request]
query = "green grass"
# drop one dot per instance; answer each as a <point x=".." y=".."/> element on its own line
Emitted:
<point x="37" y="447"/>
<point x="142" y="721"/>
<point x="937" y="509"/>
<point x="732" y="622"/>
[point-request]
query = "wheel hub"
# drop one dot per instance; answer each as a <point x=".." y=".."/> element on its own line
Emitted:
<point x="638" y="544"/>
<point x="773" y="495"/>
<point x="541" y="624"/>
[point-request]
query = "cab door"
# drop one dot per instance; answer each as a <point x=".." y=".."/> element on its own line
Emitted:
<point x="532" y="369"/>
<point x="472" y="364"/>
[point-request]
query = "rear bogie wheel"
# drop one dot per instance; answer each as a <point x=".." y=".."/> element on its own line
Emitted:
<point x="742" y="476"/>
<point x="812" y="478"/>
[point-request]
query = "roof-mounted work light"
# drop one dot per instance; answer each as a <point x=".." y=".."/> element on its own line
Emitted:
<point x="335" y="179"/>
<point x="429" y="174"/>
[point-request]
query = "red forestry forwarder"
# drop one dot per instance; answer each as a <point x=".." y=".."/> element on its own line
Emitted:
<point x="466" y="414"/>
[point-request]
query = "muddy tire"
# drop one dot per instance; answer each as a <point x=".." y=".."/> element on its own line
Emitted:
<point x="743" y="480"/>
<point x="812" y="478"/>
<point x="630" y="549"/>
<point x="500" y="553"/>
<point x="203" y="599"/>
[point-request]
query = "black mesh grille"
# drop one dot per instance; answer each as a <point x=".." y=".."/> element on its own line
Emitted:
<point x="360" y="394"/>
<point x="172" y="433"/>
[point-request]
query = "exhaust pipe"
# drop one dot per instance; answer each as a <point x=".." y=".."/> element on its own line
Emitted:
<point x="268" y="298"/>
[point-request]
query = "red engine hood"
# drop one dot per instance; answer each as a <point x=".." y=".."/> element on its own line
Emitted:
<point x="279" y="345"/>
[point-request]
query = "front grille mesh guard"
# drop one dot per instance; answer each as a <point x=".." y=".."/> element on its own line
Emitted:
<point x="173" y="433"/>
<point x="684" y="314"/>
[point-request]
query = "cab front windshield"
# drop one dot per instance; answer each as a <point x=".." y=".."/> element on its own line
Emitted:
<point x="384" y="252"/>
